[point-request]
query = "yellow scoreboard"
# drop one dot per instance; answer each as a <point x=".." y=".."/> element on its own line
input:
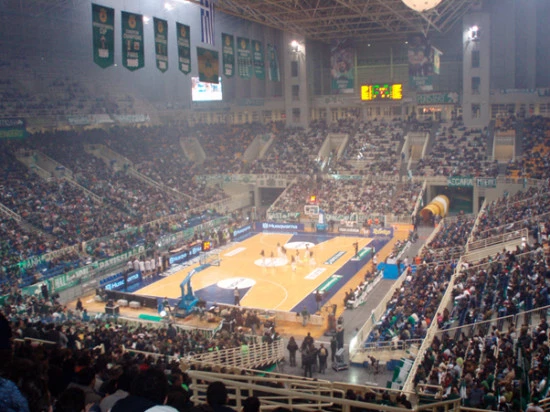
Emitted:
<point x="382" y="91"/>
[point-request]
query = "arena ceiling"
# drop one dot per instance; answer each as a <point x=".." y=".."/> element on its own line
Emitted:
<point x="315" y="19"/>
<point x="329" y="19"/>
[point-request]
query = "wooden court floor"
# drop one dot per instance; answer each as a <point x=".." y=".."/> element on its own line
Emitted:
<point x="276" y="284"/>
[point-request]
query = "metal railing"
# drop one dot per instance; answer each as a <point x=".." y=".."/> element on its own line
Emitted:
<point x="498" y="239"/>
<point x="291" y="393"/>
<point x="244" y="357"/>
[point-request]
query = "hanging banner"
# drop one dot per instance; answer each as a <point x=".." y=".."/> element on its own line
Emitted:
<point x="244" y="58"/>
<point x="420" y="56"/>
<point x="209" y="65"/>
<point x="132" y="41"/>
<point x="103" y="33"/>
<point x="342" y="56"/>
<point x="161" y="43"/>
<point x="437" y="60"/>
<point x="184" y="48"/>
<point x="228" y="54"/>
<point x="258" y="59"/>
<point x="274" y="74"/>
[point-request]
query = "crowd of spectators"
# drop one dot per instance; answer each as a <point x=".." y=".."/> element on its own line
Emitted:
<point x="449" y="241"/>
<point x="157" y="153"/>
<point x="143" y="202"/>
<point x="344" y="197"/>
<point x="293" y="151"/>
<point x="458" y="151"/>
<point x="373" y="149"/>
<point x="225" y="145"/>
<point x="488" y="366"/>
<point x="535" y="161"/>
<point x="525" y="209"/>
<point x="413" y="306"/>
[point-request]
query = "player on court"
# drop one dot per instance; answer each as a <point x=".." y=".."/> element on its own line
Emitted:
<point x="279" y="250"/>
<point x="262" y="254"/>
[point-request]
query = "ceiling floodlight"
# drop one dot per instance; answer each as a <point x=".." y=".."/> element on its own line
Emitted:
<point x="421" y="5"/>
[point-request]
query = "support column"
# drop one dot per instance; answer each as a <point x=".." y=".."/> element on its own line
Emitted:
<point x="296" y="91"/>
<point x="476" y="69"/>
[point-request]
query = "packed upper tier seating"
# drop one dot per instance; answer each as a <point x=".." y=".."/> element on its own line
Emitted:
<point x="338" y="197"/>
<point x="373" y="148"/>
<point x="449" y="241"/>
<point x="458" y="151"/>
<point x="535" y="161"/>
<point x="293" y="151"/>
<point x="522" y="210"/>
<point x="142" y="201"/>
<point x="156" y="152"/>
<point x="225" y="145"/>
<point x="493" y="360"/>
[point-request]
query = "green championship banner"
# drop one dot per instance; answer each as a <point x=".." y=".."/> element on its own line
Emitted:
<point x="274" y="74"/>
<point x="228" y="54"/>
<point x="13" y="128"/>
<point x="132" y="41"/>
<point x="103" y="33"/>
<point x="184" y="48"/>
<point x="244" y="58"/>
<point x="209" y="65"/>
<point x="258" y="59"/>
<point x="161" y="43"/>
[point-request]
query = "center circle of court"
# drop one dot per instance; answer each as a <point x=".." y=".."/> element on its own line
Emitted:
<point x="299" y="245"/>
<point x="239" y="283"/>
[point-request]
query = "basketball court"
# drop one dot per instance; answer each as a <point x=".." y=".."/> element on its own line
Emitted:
<point x="267" y="278"/>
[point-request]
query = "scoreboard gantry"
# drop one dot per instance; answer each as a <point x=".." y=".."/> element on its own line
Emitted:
<point x="381" y="91"/>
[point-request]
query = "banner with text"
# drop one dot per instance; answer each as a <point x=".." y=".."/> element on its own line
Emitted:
<point x="244" y="58"/>
<point x="103" y="33"/>
<point x="279" y="227"/>
<point x="209" y="65"/>
<point x="132" y="41"/>
<point x="436" y="98"/>
<point x="13" y="128"/>
<point x="258" y="59"/>
<point x="161" y="43"/>
<point x="228" y="54"/>
<point x="420" y="56"/>
<point x="274" y="74"/>
<point x="184" y="48"/>
<point x="342" y="57"/>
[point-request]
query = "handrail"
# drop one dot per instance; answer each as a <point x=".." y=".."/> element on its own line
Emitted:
<point x="494" y="240"/>
<point x="10" y="213"/>
<point x="509" y="225"/>
<point x="247" y="357"/>
<point x="291" y="393"/>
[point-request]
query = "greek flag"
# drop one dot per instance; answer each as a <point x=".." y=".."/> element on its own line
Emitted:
<point x="207" y="21"/>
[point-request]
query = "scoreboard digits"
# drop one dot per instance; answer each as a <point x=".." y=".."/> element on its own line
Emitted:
<point x="381" y="91"/>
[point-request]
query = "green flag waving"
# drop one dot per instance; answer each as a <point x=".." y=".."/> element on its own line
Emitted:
<point x="103" y="30"/>
<point x="132" y="41"/>
<point x="161" y="43"/>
